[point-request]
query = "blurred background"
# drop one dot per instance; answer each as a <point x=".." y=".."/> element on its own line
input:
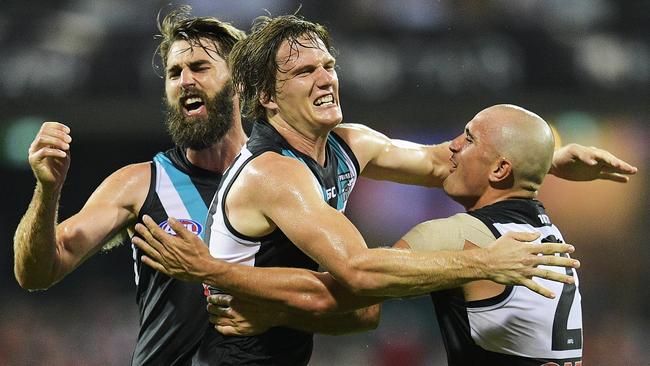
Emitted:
<point x="413" y="69"/>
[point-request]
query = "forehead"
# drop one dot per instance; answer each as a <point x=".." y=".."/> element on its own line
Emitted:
<point x="182" y="51"/>
<point x="479" y="125"/>
<point x="302" y="50"/>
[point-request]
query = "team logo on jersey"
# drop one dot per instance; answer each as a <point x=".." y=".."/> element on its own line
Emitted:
<point x="190" y="225"/>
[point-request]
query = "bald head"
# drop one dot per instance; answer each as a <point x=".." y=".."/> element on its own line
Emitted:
<point x="522" y="137"/>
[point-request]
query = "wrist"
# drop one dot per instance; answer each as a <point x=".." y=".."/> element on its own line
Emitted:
<point x="48" y="191"/>
<point x="480" y="264"/>
<point x="214" y="272"/>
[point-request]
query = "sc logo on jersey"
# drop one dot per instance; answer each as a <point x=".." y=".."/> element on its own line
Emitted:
<point x="190" y="225"/>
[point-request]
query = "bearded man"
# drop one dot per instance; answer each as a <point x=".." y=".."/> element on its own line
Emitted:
<point x="204" y="121"/>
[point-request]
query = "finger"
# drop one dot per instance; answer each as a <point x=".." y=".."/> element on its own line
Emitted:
<point x="153" y="264"/>
<point x="536" y="287"/>
<point x="221" y="299"/>
<point x="150" y="223"/>
<point x="51" y="125"/>
<point x="615" y="164"/>
<point x="587" y="156"/>
<point x="523" y="236"/>
<point x="155" y="232"/>
<point x="548" y="274"/>
<point x="148" y="250"/>
<point x="49" y="141"/>
<point x="557" y="261"/>
<point x="227" y="330"/>
<point x="615" y="177"/>
<point x="47" y="152"/>
<point x="54" y="133"/>
<point x="147" y="236"/>
<point x="222" y="312"/>
<point x="217" y="320"/>
<point x="211" y="308"/>
<point x="552" y="248"/>
<point x="180" y="229"/>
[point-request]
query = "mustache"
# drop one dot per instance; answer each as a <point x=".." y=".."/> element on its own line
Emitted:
<point x="191" y="92"/>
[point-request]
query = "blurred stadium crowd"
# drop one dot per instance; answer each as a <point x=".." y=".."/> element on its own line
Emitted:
<point x="413" y="69"/>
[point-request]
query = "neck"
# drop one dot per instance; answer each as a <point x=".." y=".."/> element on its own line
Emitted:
<point x="492" y="196"/>
<point x="218" y="157"/>
<point x="310" y="143"/>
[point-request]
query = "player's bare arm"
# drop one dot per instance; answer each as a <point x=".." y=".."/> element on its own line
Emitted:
<point x="45" y="252"/>
<point x="284" y="193"/>
<point x="400" y="161"/>
<point x="383" y="158"/>
<point x="296" y="290"/>
<point x="234" y="316"/>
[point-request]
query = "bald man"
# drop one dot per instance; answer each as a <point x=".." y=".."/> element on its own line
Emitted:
<point x="497" y="166"/>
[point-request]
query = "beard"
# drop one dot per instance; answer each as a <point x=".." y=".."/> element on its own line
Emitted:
<point x="201" y="132"/>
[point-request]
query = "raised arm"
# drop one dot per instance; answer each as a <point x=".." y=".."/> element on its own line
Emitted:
<point x="406" y="162"/>
<point x="45" y="252"/>
<point x="400" y="161"/>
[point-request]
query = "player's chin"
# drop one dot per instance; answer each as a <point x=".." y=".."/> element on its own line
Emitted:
<point x="329" y="118"/>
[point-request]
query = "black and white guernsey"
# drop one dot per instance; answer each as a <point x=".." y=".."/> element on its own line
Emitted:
<point x="517" y="327"/>
<point x="278" y="346"/>
<point x="173" y="318"/>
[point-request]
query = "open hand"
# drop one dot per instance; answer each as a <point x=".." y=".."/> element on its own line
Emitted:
<point x="513" y="260"/>
<point x="581" y="163"/>
<point x="181" y="256"/>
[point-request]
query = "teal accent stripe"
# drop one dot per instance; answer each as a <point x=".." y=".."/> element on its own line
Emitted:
<point x="290" y="154"/>
<point x="186" y="190"/>
<point x="341" y="168"/>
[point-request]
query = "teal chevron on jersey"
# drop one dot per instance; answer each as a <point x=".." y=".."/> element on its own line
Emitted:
<point x="187" y="193"/>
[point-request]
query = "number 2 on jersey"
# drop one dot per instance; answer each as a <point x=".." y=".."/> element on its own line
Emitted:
<point x="564" y="339"/>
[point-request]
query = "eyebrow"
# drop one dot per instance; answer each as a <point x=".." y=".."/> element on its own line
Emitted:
<point x="192" y="64"/>
<point x="307" y="67"/>
<point x="469" y="133"/>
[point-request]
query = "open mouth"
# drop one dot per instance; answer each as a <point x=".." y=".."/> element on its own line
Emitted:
<point x="324" y="100"/>
<point x="193" y="105"/>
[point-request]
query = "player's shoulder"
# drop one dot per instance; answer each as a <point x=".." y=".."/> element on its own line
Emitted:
<point x="269" y="167"/>
<point x="134" y="178"/>
<point x="354" y="131"/>
<point x="136" y="173"/>
<point x="273" y="174"/>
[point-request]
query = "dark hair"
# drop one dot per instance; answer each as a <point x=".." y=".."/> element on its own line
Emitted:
<point x="253" y="63"/>
<point x="179" y="24"/>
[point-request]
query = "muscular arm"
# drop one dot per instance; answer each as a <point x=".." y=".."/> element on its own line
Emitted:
<point x="406" y="162"/>
<point x="45" y="252"/>
<point x="234" y="316"/>
<point x="286" y="196"/>
<point x="395" y="160"/>
<point x="273" y="190"/>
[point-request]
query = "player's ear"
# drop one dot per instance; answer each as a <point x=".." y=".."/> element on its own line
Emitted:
<point x="501" y="171"/>
<point x="267" y="101"/>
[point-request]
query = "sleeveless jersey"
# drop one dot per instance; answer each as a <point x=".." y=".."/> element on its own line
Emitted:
<point x="277" y="346"/>
<point x="172" y="312"/>
<point x="517" y="327"/>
